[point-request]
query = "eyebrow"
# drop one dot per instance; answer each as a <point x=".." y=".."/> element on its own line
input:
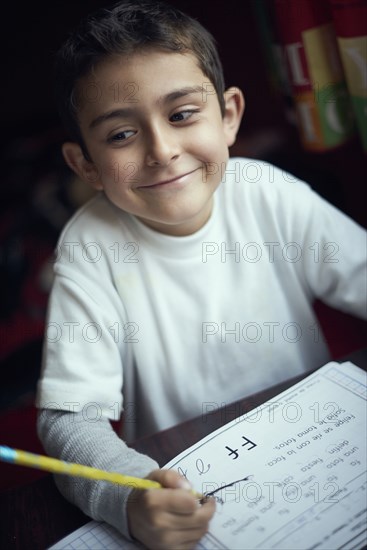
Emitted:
<point x="181" y="92"/>
<point x="128" y="111"/>
<point x="116" y="113"/>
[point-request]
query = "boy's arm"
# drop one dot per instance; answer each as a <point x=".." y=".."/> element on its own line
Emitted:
<point x="336" y="266"/>
<point x="68" y="436"/>
<point x="158" y="518"/>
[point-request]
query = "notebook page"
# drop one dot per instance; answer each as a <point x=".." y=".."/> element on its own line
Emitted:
<point x="92" y="536"/>
<point x="292" y="473"/>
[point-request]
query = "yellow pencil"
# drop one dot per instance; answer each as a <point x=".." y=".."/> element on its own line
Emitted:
<point x="55" y="466"/>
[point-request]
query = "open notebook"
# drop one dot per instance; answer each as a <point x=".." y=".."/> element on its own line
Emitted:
<point x="289" y="474"/>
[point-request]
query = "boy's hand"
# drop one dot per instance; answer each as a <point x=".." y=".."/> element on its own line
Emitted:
<point x="169" y="518"/>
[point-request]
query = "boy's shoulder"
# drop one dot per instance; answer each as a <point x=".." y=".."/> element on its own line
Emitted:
<point x="97" y="218"/>
<point x="254" y="180"/>
<point x="252" y="171"/>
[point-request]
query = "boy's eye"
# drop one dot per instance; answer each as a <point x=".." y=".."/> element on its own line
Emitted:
<point x="183" y="115"/>
<point x="121" y="136"/>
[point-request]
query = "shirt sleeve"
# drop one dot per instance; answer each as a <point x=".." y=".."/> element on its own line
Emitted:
<point x="70" y="437"/>
<point x="82" y="361"/>
<point x="312" y="240"/>
<point x="334" y="256"/>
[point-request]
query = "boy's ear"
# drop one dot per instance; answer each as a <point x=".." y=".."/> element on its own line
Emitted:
<point x="85" y="169"/>
<point x="234" y="103"/>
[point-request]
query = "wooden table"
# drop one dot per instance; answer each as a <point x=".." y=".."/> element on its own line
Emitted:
<point x="35" y="516"/>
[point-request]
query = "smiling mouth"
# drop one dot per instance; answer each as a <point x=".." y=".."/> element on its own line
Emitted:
<point x="176" y="179"/>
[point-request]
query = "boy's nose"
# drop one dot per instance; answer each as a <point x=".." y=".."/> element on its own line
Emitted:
<point x="161" y="147"/>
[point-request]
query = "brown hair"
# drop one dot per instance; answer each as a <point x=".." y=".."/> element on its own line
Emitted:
<point x="124" y="28"/>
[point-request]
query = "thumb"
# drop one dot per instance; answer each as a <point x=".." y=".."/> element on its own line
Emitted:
<point x="170" y="479"/>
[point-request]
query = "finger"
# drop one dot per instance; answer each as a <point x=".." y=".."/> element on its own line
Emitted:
<point x="208" y="507"/>
<point x="174" y="501"/>
<point x="199" y="519"/>
<point x="179" y="502"/>
<point x="170" y="479"/>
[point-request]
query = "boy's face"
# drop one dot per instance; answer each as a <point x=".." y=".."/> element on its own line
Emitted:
<point x="156" y="137"/>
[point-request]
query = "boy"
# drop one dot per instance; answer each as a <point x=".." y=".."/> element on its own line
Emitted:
<point x="169" y="287"/>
